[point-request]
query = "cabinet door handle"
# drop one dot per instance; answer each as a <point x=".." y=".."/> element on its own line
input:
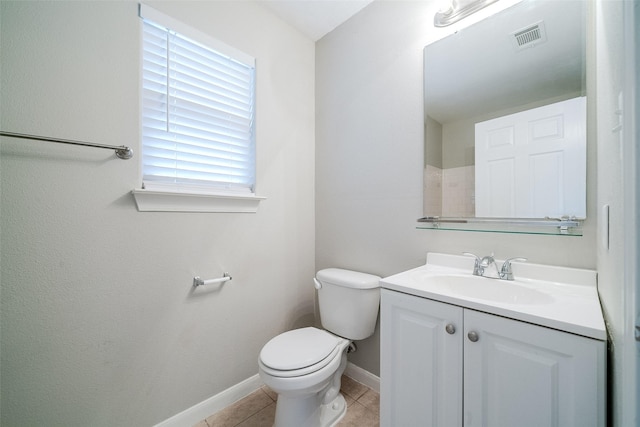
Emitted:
<point x="450" y="328"/>
<point x="473" y="336"/>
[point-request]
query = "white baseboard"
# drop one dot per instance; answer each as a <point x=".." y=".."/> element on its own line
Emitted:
<point x="363" y="377"/>
<point x="210" y="406"/>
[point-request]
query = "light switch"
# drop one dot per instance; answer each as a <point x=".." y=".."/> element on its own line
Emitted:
<point x="604" y="227"/>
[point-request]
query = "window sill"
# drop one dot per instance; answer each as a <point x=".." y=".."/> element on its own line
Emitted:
<point x="162" y="201"/>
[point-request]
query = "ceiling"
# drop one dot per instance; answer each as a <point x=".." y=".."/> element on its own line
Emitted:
<point x="315" y="18"/>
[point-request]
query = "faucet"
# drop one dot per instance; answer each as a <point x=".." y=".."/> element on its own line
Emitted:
<point x="482" y="264"/>
<point x="505" y="272"/>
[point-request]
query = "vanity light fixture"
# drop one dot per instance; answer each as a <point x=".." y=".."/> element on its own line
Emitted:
<point x="455" y="10"/>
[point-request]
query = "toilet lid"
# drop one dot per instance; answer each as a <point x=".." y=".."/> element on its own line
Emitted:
<point x="298" y="349"/>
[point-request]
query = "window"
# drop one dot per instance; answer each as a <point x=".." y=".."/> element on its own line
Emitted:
<point x="198" y="114"/>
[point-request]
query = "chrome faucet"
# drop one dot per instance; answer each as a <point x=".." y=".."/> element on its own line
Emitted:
<point x="476" y="266"/>
<point x="482" y="264"/>
<point x="505" y="272"/>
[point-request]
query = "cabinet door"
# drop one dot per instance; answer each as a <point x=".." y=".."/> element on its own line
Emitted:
<point x="421" y="363"/>
<point x="517" y="374"/>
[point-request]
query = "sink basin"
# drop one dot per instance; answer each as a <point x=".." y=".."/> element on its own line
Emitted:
<point x="495" y="290"/>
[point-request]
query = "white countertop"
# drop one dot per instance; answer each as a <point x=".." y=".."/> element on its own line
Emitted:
<point x="569" y="297"/>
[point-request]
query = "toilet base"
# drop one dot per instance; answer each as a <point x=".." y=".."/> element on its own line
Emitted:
<point x="296" y="412"/>
<point x="333" y="412"/>
<point x="311" y="400"/>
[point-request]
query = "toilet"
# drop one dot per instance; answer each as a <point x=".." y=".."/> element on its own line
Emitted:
<point x="304" y="366"/>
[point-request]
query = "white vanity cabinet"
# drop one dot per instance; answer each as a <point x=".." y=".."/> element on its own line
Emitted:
<point x="444" y="365"/>
<point x="420" y="363"/>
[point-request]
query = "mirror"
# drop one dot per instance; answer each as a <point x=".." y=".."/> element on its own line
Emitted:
<point x="523" y="59"/>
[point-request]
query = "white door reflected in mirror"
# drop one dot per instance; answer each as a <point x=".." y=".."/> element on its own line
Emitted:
<point x="532" y="164"/>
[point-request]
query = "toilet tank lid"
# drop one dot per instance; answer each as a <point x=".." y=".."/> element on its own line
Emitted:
<point x="348" y="278"/>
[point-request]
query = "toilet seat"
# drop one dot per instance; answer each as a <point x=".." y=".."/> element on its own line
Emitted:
<point x="299" y="352"/>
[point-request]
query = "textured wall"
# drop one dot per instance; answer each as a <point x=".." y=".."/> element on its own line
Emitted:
<point x="100" y="326"/>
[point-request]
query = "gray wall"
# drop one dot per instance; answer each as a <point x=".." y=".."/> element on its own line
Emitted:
<point x="433" y="142"/>
<point x="100" y="326"/>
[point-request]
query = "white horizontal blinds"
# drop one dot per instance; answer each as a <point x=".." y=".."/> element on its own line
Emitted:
<point x="198" y="115"/>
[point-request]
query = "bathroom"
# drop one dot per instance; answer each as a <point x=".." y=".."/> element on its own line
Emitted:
<point x="100" y="323"/>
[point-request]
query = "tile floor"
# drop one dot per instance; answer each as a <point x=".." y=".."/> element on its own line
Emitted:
<point x="259" y="408"/>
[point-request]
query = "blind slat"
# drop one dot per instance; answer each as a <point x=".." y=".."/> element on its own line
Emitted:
<point x="219" y="152"/>
<point x="198" y="114"/>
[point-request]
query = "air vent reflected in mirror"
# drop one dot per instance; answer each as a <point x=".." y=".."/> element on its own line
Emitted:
<point x="530" y="36"/>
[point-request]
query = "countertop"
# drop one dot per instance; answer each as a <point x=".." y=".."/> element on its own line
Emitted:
<point x="568" y="297"/>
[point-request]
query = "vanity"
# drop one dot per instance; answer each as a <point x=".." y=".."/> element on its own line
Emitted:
<point x="459" y="349"/>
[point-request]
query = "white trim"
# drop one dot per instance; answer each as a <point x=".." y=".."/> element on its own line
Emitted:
<point x="210" y="406"/>
<point x="214" y="404"/>
<point x="163" y="201"/>
<point x="363" y="377"/>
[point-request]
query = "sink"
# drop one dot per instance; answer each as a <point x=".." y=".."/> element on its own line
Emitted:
<point x="487" y="289"/>
<point x="561" y="298"/>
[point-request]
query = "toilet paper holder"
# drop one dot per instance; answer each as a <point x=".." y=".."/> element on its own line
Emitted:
<point x="197" y="281"/>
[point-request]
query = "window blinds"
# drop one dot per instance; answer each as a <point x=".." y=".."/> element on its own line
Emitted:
<point x="198" y="107"/>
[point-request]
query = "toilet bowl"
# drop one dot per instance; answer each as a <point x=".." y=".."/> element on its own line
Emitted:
<point x="308" y="390"/>
<point x="304" y="366"/>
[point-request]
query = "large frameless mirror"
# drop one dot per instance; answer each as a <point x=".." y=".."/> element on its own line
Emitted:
<point x="505" y="117"/>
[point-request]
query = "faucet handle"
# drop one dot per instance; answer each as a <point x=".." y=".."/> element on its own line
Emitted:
<point x="505" y="272"/>
<point x="477" y="270"/>
<point x="470" y="254"/>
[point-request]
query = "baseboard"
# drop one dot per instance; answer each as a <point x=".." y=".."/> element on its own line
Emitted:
<point x="202" y="410"/>
<point x="363" y="377"/>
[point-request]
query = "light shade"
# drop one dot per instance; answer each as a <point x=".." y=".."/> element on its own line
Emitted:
<point x="457" y="10"/>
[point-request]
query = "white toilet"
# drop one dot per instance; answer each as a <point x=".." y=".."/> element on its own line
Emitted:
<point x="304" y="366"/>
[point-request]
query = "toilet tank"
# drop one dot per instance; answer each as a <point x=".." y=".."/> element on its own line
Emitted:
<point x="349" y="302"/>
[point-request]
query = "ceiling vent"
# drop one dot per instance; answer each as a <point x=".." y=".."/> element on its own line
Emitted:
<point x="530" y="36"/>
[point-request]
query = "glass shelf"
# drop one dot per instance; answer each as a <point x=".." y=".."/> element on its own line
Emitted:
<point x="548" y="227"/>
